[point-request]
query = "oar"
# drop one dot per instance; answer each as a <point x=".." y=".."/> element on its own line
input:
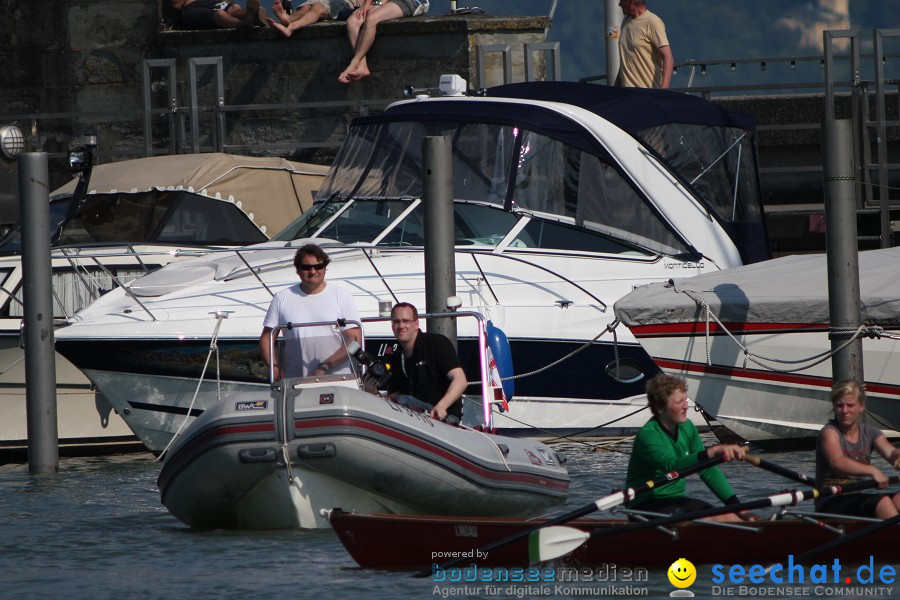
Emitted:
<point x="604" y="503"/>
<point x="553" y="542"/>
<point x="778" y="469"/>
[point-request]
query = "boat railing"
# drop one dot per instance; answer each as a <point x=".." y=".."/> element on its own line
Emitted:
<point x="256" y="270"/>
<point x="343" y="324"/>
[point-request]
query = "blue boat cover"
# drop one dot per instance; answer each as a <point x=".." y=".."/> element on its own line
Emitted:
<point x="632" y="109"/>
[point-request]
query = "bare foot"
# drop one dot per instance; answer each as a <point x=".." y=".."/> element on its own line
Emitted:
<point x="282" y="15"/>
<point x="353" y="74"/>
<point x="286" y="32"/>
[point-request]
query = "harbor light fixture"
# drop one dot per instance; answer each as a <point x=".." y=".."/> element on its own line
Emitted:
<point x="12" y="142"/>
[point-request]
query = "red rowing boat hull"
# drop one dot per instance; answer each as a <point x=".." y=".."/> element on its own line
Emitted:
<point x="414" y="543"/>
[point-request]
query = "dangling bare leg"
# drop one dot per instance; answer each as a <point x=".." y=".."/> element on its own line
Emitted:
<point x="364" y="38"/>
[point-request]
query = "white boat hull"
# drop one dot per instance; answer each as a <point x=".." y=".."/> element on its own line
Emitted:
<point x="86" y="421"/>
<point x="574" y="418"/>
<point x="767" y="406"/>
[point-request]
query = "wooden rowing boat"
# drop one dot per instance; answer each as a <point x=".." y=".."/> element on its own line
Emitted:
<point x="412" y="543"/>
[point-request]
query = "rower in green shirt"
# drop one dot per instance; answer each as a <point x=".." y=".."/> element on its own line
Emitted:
<point x="669" y="442"/>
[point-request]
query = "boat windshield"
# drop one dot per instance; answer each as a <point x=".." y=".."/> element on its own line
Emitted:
<point x="501" y="174"/>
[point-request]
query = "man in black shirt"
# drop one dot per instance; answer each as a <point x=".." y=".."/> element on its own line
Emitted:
<point x="426" y="372"/>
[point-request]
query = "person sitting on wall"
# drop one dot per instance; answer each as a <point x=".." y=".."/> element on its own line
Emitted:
<point x="425" y="371"/>
<point x="311" y="11"/>
<point x="362" y="26"/>
<point x="216" y="14"/>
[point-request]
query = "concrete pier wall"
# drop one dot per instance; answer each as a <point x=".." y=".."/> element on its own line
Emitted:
<point x="84" y="57"/>
<point x="281" y="96"/>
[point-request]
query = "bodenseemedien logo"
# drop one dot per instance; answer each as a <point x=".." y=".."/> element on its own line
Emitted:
<point x="682" y="575"/>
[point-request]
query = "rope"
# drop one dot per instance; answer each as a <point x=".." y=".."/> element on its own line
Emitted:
<point x="860" y="182"/>
<point x="554" y="436"/>
<point x="584" y="431"/>
<point x="14" y="363"/>
<point x="609" y="328"/>
<point x="213" y="347"/>
<point x="499" y="451"/>
<point x="806" y="363"/>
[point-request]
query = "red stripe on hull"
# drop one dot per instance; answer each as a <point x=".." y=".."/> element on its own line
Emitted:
<point x="702" y="368"/>
<point x="699" y="328"/>
<point x="880" y="389"/>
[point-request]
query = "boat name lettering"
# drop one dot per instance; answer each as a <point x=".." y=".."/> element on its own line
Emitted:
<point x="254" y="405"/>
<point x="466" y="531"/>
<point x="684" y="265"/>
<point x="386" y="349"/>
<point x="326" y="398"/>
<point x="533" y="457"/>
<point x="425" y="418"/>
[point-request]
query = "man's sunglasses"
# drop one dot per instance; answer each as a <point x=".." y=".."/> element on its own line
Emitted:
<point x="317" y="267"/>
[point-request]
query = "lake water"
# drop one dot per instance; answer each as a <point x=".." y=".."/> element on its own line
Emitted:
<point x="98" y="530"/>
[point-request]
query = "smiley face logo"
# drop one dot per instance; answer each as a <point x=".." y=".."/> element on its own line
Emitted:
<point x="682" y="573"/>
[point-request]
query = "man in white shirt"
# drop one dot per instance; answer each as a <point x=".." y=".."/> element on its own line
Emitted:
<point x="316" y="350"/>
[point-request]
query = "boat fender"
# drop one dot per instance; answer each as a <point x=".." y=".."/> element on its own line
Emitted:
<point x="498" y="345"/>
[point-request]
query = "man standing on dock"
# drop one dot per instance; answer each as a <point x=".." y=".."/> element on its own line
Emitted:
<point x="644" y="54"/>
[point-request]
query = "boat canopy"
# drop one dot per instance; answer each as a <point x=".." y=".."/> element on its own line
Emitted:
<point x="709" y="147"/>
<point x="199" y="199"/>
<point x="265" y="186"/>
<point x="535" y="158"/>
<point x="792" y="289"/>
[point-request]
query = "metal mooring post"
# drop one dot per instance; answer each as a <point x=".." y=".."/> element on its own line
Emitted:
<point x="613" y="20"/>
<point x="440" y="260"/>
<point x="843" y="249"/>
<point x="40" y="360"/>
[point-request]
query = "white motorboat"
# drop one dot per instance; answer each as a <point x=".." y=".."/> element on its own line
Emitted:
<point x="754" y="343"/>
<point x="277" y="459"/>
<point x="559" y="211"/>
<point x="127" y="219"/>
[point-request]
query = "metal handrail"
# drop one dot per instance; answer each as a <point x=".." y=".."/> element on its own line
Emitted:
<point x="763" y="63"/>
<point x="484" y="366"/>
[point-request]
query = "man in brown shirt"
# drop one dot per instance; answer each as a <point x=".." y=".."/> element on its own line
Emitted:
<point x="644" y="53"/>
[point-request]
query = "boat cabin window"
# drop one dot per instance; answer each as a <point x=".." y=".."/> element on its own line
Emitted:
<point x="364" y="220"/>
<point x="545" y="234"/>
<point x="720" y="161"/>
<point x="158" y="217"/>
<point x="557" y="179"/>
